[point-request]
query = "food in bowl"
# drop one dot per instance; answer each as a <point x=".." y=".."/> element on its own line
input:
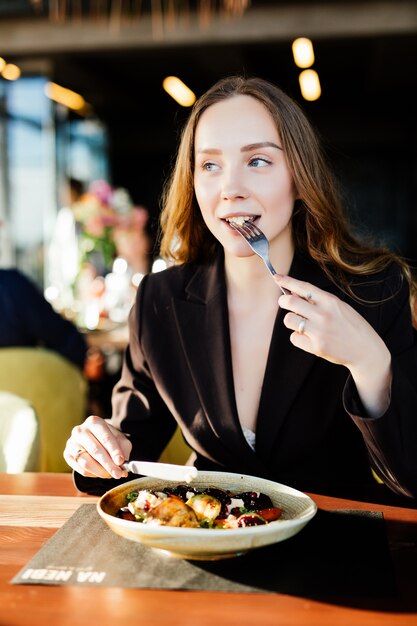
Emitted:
<point x="192" y="507"/>
<point x="205" y="543"/>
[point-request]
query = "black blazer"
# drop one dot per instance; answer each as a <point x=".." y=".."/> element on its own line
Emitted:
<point x="312" y="432"/>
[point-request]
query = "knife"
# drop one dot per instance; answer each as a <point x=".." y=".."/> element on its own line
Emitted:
<point x="167" y="471"/>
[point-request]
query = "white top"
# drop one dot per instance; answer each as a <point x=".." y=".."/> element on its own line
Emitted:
<point x="250" y="437"/>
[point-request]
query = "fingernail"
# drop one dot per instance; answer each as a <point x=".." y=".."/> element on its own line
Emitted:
<point x="119" y="459"/>
<point x="118" y="473"/>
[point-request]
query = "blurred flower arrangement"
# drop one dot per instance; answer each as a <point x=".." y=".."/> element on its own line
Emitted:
<point x="110" y="225"/>
<point x="113" y="253"/>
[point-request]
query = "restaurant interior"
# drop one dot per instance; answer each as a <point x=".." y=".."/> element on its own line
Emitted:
<point x="93" y="97"/>
<point x="364" y="55"/>
<point x="84" y="102"/>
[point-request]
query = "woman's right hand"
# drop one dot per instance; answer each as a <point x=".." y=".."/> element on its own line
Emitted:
<point x="96" y="448"/>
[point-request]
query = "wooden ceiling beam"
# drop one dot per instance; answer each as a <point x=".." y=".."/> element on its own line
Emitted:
<point x="280" y="22"/>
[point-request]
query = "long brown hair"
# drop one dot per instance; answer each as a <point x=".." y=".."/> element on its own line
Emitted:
<point x="319" y="225"/>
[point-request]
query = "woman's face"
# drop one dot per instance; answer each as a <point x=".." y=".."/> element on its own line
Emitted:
<point x="241" y="171"/>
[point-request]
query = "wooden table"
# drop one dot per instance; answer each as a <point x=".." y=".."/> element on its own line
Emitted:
<point x="33" y="506"/>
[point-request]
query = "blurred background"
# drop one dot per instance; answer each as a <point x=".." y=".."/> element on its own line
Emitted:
<point x="93" y="95"/>
<point x="82" y="97"/>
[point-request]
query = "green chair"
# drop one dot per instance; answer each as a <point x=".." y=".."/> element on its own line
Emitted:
<point x="177" y="451"/>
<point x="57" y="391"/>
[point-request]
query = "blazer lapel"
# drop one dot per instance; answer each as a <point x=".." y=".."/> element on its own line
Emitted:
<point x="287" y="366"/>
<point x="203" y="326"/>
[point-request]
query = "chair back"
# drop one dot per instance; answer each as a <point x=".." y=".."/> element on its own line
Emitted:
<point x="19" y="435"/>
<point x="177" y="451"/>
<point x="57" y="391"/>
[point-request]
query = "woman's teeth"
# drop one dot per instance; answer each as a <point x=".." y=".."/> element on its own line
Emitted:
<point x="241" y="219"/>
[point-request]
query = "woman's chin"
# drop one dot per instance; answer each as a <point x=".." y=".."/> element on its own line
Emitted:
<point x="239" y="249"/>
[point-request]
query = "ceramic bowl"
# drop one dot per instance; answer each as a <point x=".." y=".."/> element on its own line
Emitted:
<point x="209" y="544"/>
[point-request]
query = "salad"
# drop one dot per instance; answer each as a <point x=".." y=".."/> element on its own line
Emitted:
<point x="192" y="507"/>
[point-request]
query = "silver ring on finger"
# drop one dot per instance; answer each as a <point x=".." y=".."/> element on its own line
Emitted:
<point x="79" y="452"/>
<point x="301" y="326"/>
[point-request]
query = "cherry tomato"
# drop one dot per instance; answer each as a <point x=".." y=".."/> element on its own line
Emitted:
<point x="270" y="514"/>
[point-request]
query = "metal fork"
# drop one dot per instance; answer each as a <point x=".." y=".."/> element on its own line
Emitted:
<point x="255" y="238"/>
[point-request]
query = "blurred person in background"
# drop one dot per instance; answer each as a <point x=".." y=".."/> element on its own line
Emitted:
<point x="27" y="319"/>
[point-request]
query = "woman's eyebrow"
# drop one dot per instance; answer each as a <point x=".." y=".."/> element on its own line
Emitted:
<point x="209" y="151"/>
<point x="248" y="148"/>
<point x="261" y="144"/>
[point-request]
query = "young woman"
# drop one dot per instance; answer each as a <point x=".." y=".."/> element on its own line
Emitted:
<point x="314" y="389"/>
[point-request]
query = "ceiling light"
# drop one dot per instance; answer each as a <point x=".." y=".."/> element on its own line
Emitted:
<point x="11" y="72"/>
<point x="65" y="96"/>
<point x="2" y="64"/>
<point x="302" y="49"/>
<point x="310" y="85"/>
<point x="179" y="91"/>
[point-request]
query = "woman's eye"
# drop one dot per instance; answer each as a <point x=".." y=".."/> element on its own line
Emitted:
<point x="210" y="167"/>
<point x="259" y="162"/>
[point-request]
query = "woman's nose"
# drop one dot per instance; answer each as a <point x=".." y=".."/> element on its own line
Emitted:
<point x="233" y="187"/>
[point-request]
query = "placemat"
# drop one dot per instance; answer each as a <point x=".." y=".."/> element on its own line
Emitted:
<point x="338" y="554"/>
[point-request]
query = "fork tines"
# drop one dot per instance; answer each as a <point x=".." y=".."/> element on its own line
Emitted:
<point x="248" y="230"/>
<point x="256" y="239"/>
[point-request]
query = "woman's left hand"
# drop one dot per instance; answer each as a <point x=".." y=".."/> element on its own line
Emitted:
<point x="326" y="326"/>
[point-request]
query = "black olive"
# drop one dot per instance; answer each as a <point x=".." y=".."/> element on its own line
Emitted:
<point x="255" y="501"/>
